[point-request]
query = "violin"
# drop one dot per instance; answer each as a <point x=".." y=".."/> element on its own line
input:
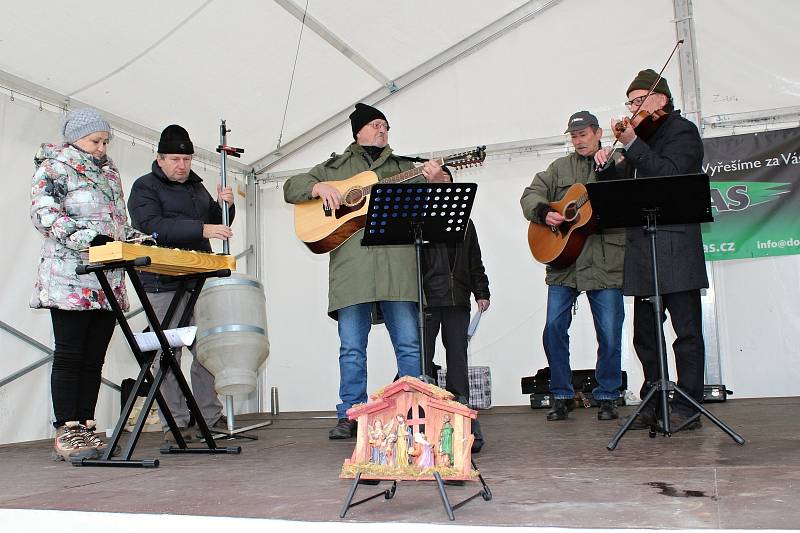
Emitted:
<point x="645" y="123"/>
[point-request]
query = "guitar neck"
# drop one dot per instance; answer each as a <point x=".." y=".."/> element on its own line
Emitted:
<point x="400" y="178"/>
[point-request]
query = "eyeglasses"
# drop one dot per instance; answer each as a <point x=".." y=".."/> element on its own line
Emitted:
<point x="636" y="101"/>
<point x="378" y="124"/>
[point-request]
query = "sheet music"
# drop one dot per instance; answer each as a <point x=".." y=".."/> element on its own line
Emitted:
<point x="473" y="324"/>
<point x="177" y="338"/>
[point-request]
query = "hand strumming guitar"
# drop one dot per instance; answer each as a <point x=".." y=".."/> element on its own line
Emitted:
<point x="330" y="196"/>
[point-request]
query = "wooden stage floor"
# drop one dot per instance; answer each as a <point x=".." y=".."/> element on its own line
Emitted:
<point x="540" y="473"/>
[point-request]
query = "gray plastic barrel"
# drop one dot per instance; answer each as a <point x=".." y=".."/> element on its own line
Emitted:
<point x="232" y="340"/>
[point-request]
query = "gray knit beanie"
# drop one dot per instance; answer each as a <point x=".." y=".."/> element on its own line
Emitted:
<point x="81" y="122"/>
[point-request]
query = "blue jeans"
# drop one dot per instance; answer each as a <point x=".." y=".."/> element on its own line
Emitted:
<point x="355" y="321"/>
<point x="608" y="312"/>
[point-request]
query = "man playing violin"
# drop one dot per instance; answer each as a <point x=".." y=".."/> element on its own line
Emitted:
<point x="596" y="271"/>
<point x="658" y="141"/>
<point x="362" y="278"/>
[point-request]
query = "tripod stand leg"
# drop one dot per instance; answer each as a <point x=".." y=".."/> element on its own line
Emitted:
<point x="614" y="441"/>
<point x="738" y="439"/>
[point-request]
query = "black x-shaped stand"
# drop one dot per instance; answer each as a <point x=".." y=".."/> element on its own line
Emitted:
<point x="389" y="493"/>
<point x="665" y="200"/>
<point x="168" y="363"/>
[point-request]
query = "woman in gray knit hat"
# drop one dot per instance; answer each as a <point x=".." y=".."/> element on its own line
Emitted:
<point x="77" y="202"/>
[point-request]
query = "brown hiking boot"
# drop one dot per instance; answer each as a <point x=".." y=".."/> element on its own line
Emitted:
<point x="70" y="443"/>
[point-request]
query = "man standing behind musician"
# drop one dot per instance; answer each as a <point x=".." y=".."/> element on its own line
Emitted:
<point x="597" y="271"/>
<point x="172" y="202"/>
<point x="674" y="148"/>
<point x="452" y="273"/>
<point x="363" y="277"/>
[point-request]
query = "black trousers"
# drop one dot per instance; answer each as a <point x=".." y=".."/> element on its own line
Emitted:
<point x="687" y="321"/>
<point x="454" y="322"/>
<point x="82" y="339"/>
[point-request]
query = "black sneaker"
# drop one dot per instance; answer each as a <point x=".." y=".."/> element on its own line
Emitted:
<point x="678" y="419"/>
<point x="645" y="420"/>
<point x="560" y="409"/>
<point x="608" y="410"/>
<point x="345" y="429"/>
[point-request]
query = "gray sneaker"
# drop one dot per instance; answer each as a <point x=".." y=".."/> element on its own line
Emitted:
<point x="220" y="426"/>
<point x="186" y="433"/>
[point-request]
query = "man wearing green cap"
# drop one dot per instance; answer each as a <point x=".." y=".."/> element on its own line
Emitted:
<point x="361" y="278"/>
<point x="671" y="147"/>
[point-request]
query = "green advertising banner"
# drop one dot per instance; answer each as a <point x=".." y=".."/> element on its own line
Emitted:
<point x="755" y="195"/>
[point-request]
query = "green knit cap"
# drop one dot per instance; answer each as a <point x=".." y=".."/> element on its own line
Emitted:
<point x="645" y="79"/>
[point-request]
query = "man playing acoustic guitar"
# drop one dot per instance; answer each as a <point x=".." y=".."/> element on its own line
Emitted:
<point x="596" y="271"/>
<point x="361" y="277"/>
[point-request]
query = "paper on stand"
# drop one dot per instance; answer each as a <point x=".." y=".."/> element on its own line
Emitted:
<point x="177" y="338"/>
<point x="473" y="324"/>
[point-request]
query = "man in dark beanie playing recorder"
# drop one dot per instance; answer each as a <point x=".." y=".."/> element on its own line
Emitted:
<point x="363" y="277"/>
<point x="172" y="202"/>
<point x="669" y="146"/>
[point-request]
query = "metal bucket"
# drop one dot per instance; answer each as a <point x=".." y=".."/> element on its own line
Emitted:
<point x="232" y="340"/>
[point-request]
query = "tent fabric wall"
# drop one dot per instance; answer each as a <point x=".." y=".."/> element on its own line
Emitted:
<point x="485" y="99"/>
<point x="25" y="406"/>
<point x="514" y="89"/>
<point x="756" y="321"/>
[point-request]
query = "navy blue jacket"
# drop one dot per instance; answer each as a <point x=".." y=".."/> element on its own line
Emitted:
<point x="176" y="212"/>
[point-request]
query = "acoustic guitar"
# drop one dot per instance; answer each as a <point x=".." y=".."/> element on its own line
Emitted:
<point x="560" y="247"/>
<point x="323" y="229"/>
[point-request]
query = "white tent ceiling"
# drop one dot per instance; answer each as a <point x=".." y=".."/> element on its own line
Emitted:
<point x="194" y="62"/>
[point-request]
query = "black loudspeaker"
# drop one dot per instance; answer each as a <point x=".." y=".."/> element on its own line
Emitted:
<point x="715" y="393"/>
<point x="127" y="387"/>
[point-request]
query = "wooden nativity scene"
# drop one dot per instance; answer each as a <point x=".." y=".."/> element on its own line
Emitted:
<point x="411" y="430"/>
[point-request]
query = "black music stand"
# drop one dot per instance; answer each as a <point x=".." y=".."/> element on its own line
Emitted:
<point x="168" y="363"/>
<point x="647" y="203"/>
<point x="412" y="213"/>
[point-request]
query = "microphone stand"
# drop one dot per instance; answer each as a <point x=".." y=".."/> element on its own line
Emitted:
<point x="224" y="151"/>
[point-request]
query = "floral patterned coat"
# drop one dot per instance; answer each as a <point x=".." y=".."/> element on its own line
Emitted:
<point x="72" y="201"/>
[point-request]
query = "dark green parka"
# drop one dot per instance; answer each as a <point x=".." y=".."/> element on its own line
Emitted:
<point x="359" y="274"/>
<point x="599" y="265"/>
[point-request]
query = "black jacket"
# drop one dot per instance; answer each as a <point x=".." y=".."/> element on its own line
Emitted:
<point x="674" y="149"/>
<point x="452" y="286"/>
<point x="176" y="212"/>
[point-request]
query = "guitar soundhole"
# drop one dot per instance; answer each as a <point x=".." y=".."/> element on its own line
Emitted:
<point x="570" y="212"/>
<point x="353" y="196"/>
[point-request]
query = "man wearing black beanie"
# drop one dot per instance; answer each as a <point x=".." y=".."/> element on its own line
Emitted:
<point x="671" y="146"/>
<point x="360" y="277"/>
<point x="172" y="202"/>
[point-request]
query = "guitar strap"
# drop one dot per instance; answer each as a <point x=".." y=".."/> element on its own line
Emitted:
<point x="411" y="158"/>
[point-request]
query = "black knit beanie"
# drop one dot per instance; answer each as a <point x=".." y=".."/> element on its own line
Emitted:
<point x="363" y="115"/>
<point x="645" y="79"/>
<point x="175" y="140"/>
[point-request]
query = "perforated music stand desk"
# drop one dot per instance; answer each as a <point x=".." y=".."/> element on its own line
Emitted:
<point x="412" y="213"/>
<point x="648" y="203"/>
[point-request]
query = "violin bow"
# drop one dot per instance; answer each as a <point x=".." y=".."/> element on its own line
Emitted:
<point x="652" y="88"/>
